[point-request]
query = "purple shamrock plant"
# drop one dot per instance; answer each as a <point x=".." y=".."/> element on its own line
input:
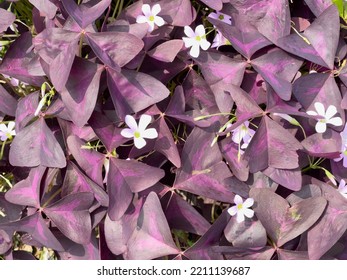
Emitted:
<point x="173" y="129"/>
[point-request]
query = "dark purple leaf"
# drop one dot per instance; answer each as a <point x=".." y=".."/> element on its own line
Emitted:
<point x="272" y="146"/>
<point x="8" y="103"/>
<point x="71" y="216"/>
<point x="86" y="13"/>
<point x="232" y="253"/>
<point x="26" y="109"/>
<point x="292" y="255"/>
<point x="75" y="181"/>
<point x="278" y="68"/>
<point x="36" y="145"/>
<point x="22" y="63"/>
<point x="57" y="49"/>
<point x="318" y="43"/>
<point x="152" y="237"/>
<point x="318" y="6"/>
<point x="177" y="12"/>
<point x="291" y="179"/>
<point x="132" y="91"/>
<point x="115" y="49"/>
<point x="81" y="90"/>
<point x="89" y="160"/>
<point x="181" y="215"/>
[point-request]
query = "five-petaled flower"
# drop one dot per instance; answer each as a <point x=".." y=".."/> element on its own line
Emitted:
<point x="343" y="188"/>
<point x="150" y="16"/>
<point x="326" y="117"/>
<point x="243" y="133"/>
<point x="195" y="39"/>
<point x="139" y="132"/>
<point x="6" y="132"/>
<point x="241" y="208"/>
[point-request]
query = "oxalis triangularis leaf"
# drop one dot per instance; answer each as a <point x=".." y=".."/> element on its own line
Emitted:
<point x="234" y="129"/>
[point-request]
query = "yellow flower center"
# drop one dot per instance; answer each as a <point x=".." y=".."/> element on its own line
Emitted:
<point x="221" y="17"/>
<point x="345" y="153"/>
<point x="9" y="136"/>
<point x="323" y="120"/>
<point x="198" y="38"/>
<point x="137" y="134"/>
<point x="239" y="207"/>
<point x="151" y="18"/>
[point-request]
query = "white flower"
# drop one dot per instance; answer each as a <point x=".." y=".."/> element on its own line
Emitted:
<point x="243" y="133"/>
<point x="139" y="132"/>
<point x="220" y="16"/>
<point x="343" y="188"/>
<point x="150" y="16"/>
<point x="343" y="154"/>
<point x="241" y="208"/>
<point x="219" y="40"/>
<point x="6" y="132"/>
<point x="195" y="39"/>
<point x="327" y="117"/>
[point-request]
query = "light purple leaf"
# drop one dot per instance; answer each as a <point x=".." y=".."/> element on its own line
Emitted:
<point x="332" y="224"/>
<point x="71" y="216"/>
<point x="291" y="179"/>
<point x="166" y="51"/>
<point x="26" y="109"/>
<point x="46" y="8"/>
<point x="86" y="13"/>
<point x="81" y="90"/>
<point x="27" y="192"/>
<point x="132" y="91"/>
<point x="177" y="12"/>
<point x="57" y="48"/>
<point x="22" y="63"/>
<point x="152" y="237"/>
<point x="318" y="6"/>
<point x="8" y="104"/>
<point x="272" y="146"/>
<point x="282" y="222"/>
<point x="326" y="145"/>
<point x="249" y="234"/>
<point x="36" y="145"/>
<point x="6" y="19"/>
<point x="318" y="43"/>
<point x="232" y="253"/>
<point x="292" y="255"/>
<point x="115" y="49"/>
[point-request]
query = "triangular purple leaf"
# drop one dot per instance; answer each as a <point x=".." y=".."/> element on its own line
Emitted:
<point x="8" y="103"/>
<point x="6" y="19"/>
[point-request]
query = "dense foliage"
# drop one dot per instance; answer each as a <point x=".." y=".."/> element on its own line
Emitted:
<point x="173" y="129"/>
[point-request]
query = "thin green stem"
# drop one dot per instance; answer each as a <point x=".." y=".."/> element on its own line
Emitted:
<point x="2" y="149"/>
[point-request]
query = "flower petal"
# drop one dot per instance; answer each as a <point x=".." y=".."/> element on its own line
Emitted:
<point x="141" y="19"/>
<point x="127" y="133"/>
<point x="159" y="21"/>
<point x="131" y="122"/>
<point x="249" y="213"/>
<point x="144" y="122"/>
<point x="238" y="199"/>
<point x="232" y="210"/>
<point x="189" y="32"/>
<point x="3" y="127"/>
<point x="337" y="121"/>
<point x="248" y="202"/>
<point x="188" y="42"/>
<point x="146" y="9"/>
<point x="200" y="30"/>
<point x="321" y="127"/>
<point x="331" y="111"/>
<point x="320" y="108"/>
<point x="3" y="137"/>
<point x="139" y="142"/>
<point x="195" y="50"/>
<point x="156" y="9"/>
<point x="311" y="113"/>
<point x="240" y="217"/>
<point x="150" y="26"/>
<point x="205" y="44"/>
<point x="11" y="125"/>
<point x="150" y="133"/>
